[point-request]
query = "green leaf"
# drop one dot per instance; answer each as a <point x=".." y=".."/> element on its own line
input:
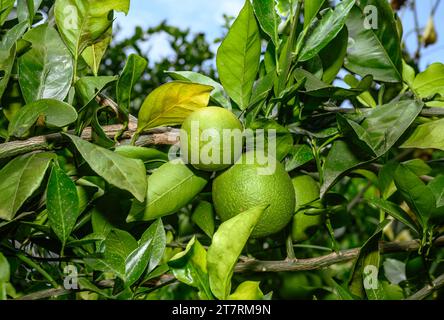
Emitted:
<point x="218" y="93"/>
<point x="223" y="252"/>
<point x="171" y="103"/>
<point x="365" y="98"/>
<point x="123" y="173"/>
<point x="203" y="217"/>
<point x="340" y="160"/>
<point x="134" y="69"/>
<point x="148" y="254"/>
<point x="46" y="70"/>
<point x="190" y="267"/>
<point x="396" y="212"/>
<point x="51" y="113"/>
<point x="8" y="50"/>
<point x="340" y="291"/>
<point x="116" y="248"/>
<point x="268" y="18"/>
<point x="429" y="83"/>
<point x="87" y="88"/>
<point x="26" y="10"/>
<point x="82" y="22"/>
<point x="170" y="187"/>
<point x="395" y="271"/>
<point x="417" y="195"/>
<point x="311" y="9"/>
<point x="5" y="8"/>
<point x="332" y="56"/>
<point x="62" y="203"/>
<point x="317" y="88"/>
<point x="367" y="254"/>
<point x="375" y="51"/>
<point x="5" y="271"/>
<point x="427" y="136"/>
<point x="384" y="125"/>
<point x="19" y="179"/>
<point x="93" y="54"/>
<point x="373" y="290"/>
<point x="142" y="153"/>
<point x="437" y="188"/>
<point x="299" y="155"/>
<point x="238" y="57"/>
<point x="321" y="32"/>
<point x="247" y="290"/>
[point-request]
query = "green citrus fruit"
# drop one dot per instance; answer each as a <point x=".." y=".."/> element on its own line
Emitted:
<point x="204" y="142"/>
<point x="306" y="190"/>
<point x="245" y="186"/>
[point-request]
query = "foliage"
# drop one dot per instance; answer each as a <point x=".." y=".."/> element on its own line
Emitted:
<point x="84" y="187"/>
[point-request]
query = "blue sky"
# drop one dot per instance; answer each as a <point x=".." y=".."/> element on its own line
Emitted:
<point x="206" y="16"/>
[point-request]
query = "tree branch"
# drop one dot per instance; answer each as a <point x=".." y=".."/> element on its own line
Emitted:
<point x="428" y="289"/>
<point x="160" y="136"/>
<point x="254" y="265"/>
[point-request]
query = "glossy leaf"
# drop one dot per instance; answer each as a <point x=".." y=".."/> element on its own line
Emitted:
<point x="46" y="70"/>
<point x="190" y="267"/>
<point x="375" y="51"/>
<point x="417" y="195"/>
<point x="340" y="160"/>
<point x="8" y="50"/>
<point x="142" y="153"/>
<point x="396" y="212"/>
<point x="19" y="179"/>
<point x="5" y="9"/>
<point x="87" y="88"/>
<point x="384" y="125"/>
<point x="134" y="69"/>
<point x="311" y="9"/>
<point x="427" y="136"/>
<point x="93" y="54"/>
<point x="5" y="271"/>
<point x="170" y="187"/>
<point x="124" y="173"/>
<point x="317" y="88"/>
<point x="268" y="18"/>
<point x="238" y="57"/>
<point x="223" y="252"/>
<point x="395" y="271"/>
<point x="332" y="56"/>
<point x="82" y="22"/>
<point x="48" y="112"/>
<point x="62" y="203"/>
<point x="171" y="103"/>
<point x="430" y="82"/>
<point x="366" y="258"/>
<point x="117" y="247"/>
<point x="299" y="155"/>
<point x="147" y="255"/>
<point x="26" y="10"/>
<point x="203" y="217"/>
<point x="365" y="98"/>
<point x="218" y="93"/>
<point x="321" y="32"/>
<point x="436" y="186"/>
<point x="247" y="290"/>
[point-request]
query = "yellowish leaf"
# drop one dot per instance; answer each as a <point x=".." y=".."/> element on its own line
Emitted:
<point x="171" y="103"/>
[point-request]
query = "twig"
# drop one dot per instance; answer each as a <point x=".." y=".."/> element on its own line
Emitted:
<point x="428" y="289"/>
<point x="253" y="265"/>
<point x="425" y="112"/>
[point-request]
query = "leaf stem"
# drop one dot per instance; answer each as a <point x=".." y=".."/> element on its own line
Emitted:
<point x="39" y="269"/>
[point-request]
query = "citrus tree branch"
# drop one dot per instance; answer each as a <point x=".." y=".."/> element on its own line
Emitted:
<point x="161" y="136"/>
<point x="253" y="265"/>
<point x="428" y="289"/>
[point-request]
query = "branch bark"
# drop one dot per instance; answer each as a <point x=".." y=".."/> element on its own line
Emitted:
<point x="254" y="265"/>
<point x="428" y="289"/>
<point x="160" y="136"/>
